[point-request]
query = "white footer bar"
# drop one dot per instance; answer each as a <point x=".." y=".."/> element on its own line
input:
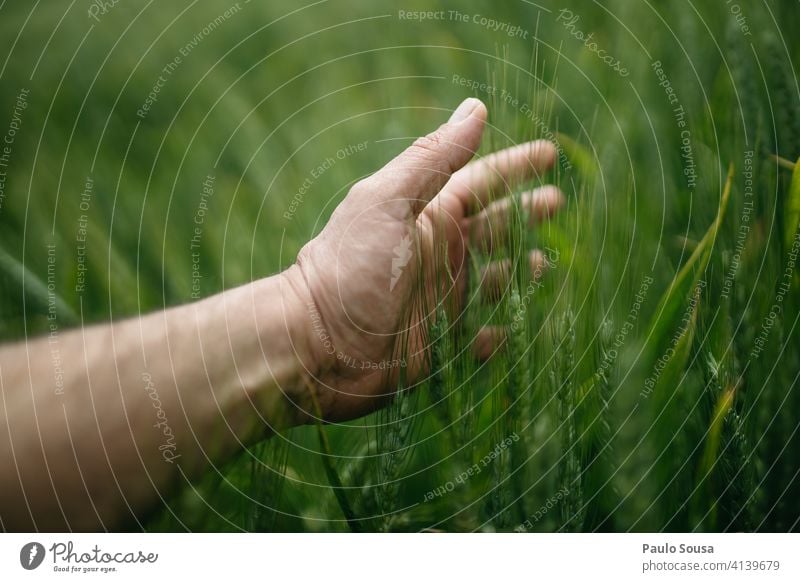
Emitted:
<point x="401" y="557"/>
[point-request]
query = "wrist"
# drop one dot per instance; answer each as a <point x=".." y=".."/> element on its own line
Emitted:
<point x="268" y="380"/>
<point x="306" y="397"/>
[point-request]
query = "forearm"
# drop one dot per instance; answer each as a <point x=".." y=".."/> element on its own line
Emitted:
<point x="146" y="402"/>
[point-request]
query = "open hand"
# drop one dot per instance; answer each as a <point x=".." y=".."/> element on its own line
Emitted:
<point x="357" y="277"/>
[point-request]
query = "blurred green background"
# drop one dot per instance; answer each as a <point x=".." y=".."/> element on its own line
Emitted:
<point x="260" y="94"/>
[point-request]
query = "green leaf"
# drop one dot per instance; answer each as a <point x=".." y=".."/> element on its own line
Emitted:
<point x="704" y="504"/>
<point x="792" y="208"/>
<point x="711" y="450"/>
<point x="36" y="290"/>
<point x="672" y="373"/>
<point x="688" y="278"/>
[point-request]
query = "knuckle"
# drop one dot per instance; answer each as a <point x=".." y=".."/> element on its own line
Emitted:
<point x="431" y="153"/>
<point x="430" y="143"/>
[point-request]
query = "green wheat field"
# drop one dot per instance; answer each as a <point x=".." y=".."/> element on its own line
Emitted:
<point x="649" y="379"/>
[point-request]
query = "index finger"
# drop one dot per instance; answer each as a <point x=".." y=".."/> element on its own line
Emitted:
<point x="474" y="184"/>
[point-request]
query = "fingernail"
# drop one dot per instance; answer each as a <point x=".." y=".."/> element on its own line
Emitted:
<point x="464" y="110"/>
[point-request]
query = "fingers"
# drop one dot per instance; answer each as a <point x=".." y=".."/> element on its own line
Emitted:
<point x="496" y="173"/>
<point x="494" y="282"/>
<point x="489" y="227"/>
<point x="496" y="276"/>
<point x="407" y="183"/>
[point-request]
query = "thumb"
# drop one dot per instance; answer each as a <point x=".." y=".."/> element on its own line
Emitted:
<point x="414" y="177"/>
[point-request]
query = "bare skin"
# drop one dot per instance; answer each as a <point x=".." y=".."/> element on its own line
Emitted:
<point x="151" y="401"/>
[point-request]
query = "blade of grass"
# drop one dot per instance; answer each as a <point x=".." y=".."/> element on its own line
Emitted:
<point x="333" y="476"/>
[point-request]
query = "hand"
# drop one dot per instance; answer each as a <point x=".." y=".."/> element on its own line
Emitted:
<point x="356" y="278"/>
